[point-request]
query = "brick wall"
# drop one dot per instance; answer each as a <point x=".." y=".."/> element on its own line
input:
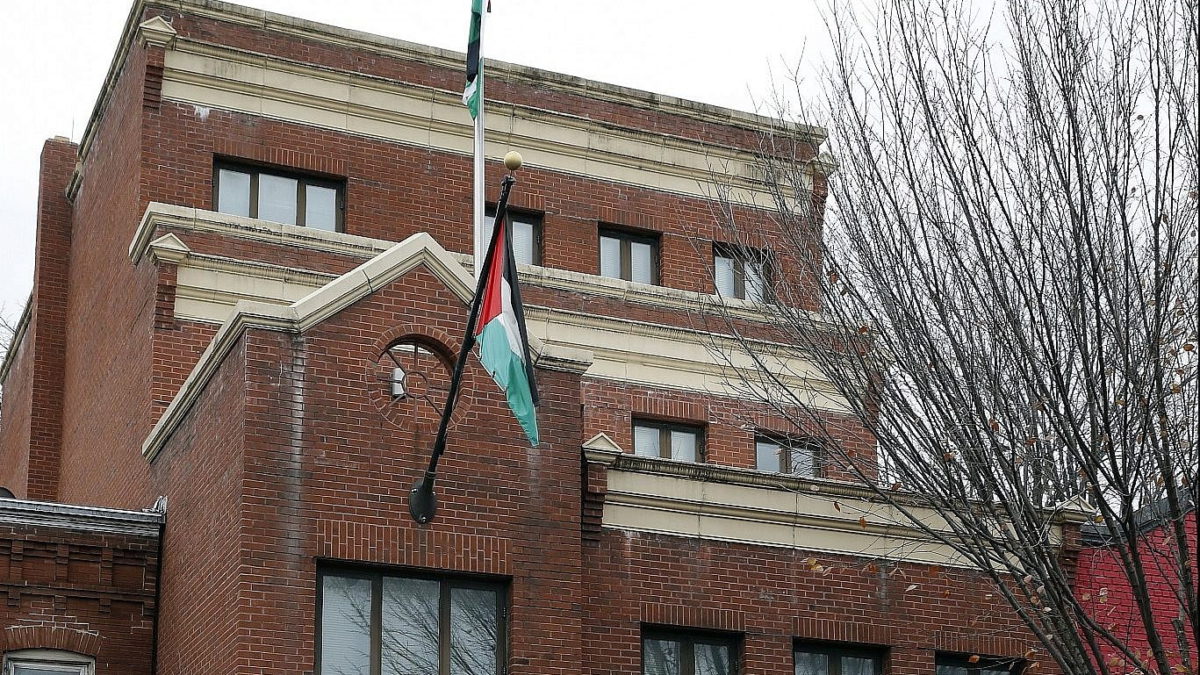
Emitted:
<point x="775" y="598"/>
<point x="109" y="315"/>
<point x="324" y="475"/>
<point x="1108" y="597"/>
<point x="15" y="414"/>
<point x="82" y="591"/>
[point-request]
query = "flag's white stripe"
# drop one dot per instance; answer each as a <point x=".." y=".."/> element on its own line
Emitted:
<point x="508" y="319"/>
<point x="469" y="92"/>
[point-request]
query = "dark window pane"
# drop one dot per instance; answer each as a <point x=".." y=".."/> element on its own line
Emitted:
<point x="810" y="663"/>
<point x="233" y="192"/>
<point x="660" y="657"/>
<point x="277" y="198"/>
<point x="858" y="665"/>
<point x="754" y="282"/>
<point x="345" y="626"/>
<point x="474" y="631"/>
<point x="38" y="670"/>
<point x="320" y="207"/>
<point x="409" y="643"/>
<point x="713" y="659"/>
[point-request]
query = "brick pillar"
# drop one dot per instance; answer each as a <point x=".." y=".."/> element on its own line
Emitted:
<point x="48" y="320"/>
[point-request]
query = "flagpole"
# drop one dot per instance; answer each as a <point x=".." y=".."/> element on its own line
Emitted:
<point x="422" y="502"/>
<point x="479" y="189"/>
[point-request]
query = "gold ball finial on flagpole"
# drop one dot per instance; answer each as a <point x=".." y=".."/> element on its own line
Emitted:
<point x="513" y="160"/>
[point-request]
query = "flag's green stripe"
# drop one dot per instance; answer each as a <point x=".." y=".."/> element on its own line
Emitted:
<point x="508" y="370"/>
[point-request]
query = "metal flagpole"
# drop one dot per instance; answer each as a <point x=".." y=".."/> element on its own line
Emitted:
<point x="482" y="235"/>
<point x="422" y="502"/>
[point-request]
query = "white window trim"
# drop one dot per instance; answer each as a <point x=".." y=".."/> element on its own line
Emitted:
<point x="69" y="663"/>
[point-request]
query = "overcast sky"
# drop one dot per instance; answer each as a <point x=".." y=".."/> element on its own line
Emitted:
<point x="56" y="53"/>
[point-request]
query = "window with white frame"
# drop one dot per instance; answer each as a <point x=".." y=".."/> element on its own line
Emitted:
<point x="47" y="662"/>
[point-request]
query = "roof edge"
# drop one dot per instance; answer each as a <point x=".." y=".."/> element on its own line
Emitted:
<point x="17" y="337"/>
<point x="225" y="11"/>
<point x="145" y="523"/>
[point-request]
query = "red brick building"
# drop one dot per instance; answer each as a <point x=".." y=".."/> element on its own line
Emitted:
<point x="265" y="222"/>
<point x="1106" y="593"/>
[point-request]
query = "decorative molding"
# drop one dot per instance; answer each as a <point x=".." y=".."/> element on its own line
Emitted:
<point x="159" y="215"/>
<point x="199" y="220"/>
<point x="418" y="250"/>
<point x="221" y="77"/>
<point x="602" y="449"/>
<point x="742" y="505"/>
<point x="81" y="518"/>
<point x="168" y="248"/>
<point x="670" y="357"/>
<point x="498" y="71"/>
<point x="332" y="35"/>
<point x="156" y="32"/>
<point x="10" y="356"/>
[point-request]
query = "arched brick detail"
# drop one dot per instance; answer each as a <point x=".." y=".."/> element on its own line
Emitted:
<point x="75" y="640"/>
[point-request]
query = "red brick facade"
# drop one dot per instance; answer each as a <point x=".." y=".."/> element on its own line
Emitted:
<point x="79" y="580"/>
<point x="277" y="460"/>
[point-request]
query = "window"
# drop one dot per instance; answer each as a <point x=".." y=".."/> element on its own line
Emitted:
<point x="46" y="662"/>
<point x="964" y="664"/>
<point x="289" y="198"/>
<point x="784" y="454"/>
<point x="742" y="273"/>
<point x="371" y="622"/>
<point x="677" y="653"/>
<point x="629" y="256"/>
<point x="526" y="234"/>
<point x="831" y="660"/>
<point x="684" y="442"/>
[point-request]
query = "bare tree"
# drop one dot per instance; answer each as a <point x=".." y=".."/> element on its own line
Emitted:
<point x="8" y="332"/>
<point x="1006" y="272"/>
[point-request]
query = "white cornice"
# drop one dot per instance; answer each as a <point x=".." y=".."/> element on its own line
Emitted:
<point x="497" y="70"/>
<point x="707" y="501"/>
<point x="333" y="35"/>
<point x="168" y="215"/>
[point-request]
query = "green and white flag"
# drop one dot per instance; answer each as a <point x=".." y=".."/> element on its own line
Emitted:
<point x="474" y="65"/>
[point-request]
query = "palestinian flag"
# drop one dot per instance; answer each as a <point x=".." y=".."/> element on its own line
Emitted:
<point x="500" y="331"/>
<point x="474" y="70"/>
